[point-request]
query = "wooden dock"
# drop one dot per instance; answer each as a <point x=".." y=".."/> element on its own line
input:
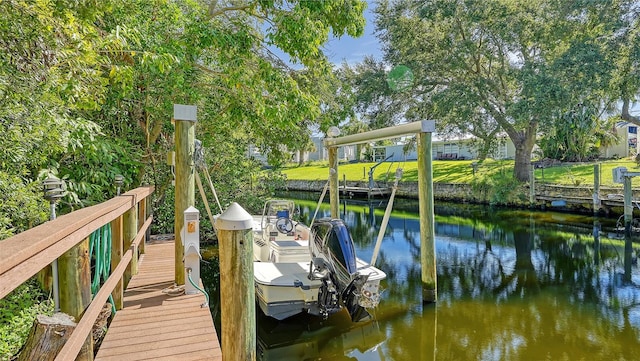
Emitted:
<point x="364" y="192"/>
<point x="155" y="325"/>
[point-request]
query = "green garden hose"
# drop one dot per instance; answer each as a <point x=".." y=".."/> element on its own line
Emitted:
<point x="100" y="252"/>
<point x="206" y="295"/>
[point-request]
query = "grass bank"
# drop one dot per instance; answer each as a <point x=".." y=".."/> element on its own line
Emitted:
<point x="461" y="171"/>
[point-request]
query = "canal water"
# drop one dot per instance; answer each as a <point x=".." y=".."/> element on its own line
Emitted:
<point x="512" y="285"/>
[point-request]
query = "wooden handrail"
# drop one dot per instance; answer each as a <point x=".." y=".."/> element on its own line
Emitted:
<point x="26" y="253"/>
<point x="75" y="342"/>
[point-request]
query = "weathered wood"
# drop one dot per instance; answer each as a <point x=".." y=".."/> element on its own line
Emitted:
<point x="130" y="231"/>
<point x="597" y="204"/>
<point x="117" y="237"/>
<point x="427" y="221"/>
<point x="75" y="279"/>
<point x="23" y="255"/>
<point x="77" y="339"/>
<point x="74" y="267"/>
<point x="142" y="212"/>
<point x="237" y="290"/>
<point x="47" y="336"/>
<point x="185" y="188"/>
<point x="334" y="199"/>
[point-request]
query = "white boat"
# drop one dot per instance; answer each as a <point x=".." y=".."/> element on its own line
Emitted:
<point x="314" y="270"/>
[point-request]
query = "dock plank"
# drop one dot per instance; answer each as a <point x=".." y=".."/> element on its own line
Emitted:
<point x="156" y="325"/>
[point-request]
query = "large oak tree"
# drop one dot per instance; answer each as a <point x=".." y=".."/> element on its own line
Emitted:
<point x="489" y="66"/>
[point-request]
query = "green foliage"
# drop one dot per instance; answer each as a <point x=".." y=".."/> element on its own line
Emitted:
<point x="499" y="189"/>
<point x="163" y="213"/>
<point x="477" y="76"/>
<point x="23" y="205"/>
<point x="577" y="135"/>
<point x="18" y="310"/>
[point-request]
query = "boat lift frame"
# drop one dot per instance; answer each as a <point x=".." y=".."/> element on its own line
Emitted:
<point x="422" y="129"/>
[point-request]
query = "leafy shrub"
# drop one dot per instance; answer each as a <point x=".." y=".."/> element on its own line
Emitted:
<point x="499" y="189"/>
<point x="18" y="310"/>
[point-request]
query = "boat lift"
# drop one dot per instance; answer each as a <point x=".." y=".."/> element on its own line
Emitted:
<point x="422" y="130"/>
<point x="622" y="176"/>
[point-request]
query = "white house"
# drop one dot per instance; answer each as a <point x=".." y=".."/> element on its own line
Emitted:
<point x="346" y="153"/>
<point x="446" y="150"/>
<point x="627" y="143"/>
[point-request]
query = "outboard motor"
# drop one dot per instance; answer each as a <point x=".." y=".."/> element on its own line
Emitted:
<point x="333" y="260"/>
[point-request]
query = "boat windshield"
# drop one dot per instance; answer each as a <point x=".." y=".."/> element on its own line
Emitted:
<point x="278" y="208"/>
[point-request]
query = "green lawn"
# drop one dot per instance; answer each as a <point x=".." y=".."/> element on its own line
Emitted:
<point x="460" y="171"/>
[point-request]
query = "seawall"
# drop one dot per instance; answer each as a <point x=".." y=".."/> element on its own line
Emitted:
<point x="565" y="198"/>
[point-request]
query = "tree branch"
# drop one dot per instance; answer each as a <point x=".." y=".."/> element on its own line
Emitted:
<point x="213" y="13"/>
<point x="626" y="115"/>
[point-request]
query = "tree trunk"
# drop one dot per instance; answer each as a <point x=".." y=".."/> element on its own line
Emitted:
<point x="524" y="146"/>
<point x="47" y="336"/>
<point x="522" y="164"/>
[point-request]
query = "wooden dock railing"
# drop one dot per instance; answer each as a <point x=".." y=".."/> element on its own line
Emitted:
<point x="24" y="255"/>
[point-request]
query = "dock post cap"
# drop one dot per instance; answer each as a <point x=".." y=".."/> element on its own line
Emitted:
<point x="234" y="218"/>
<point x="191" y="210"/>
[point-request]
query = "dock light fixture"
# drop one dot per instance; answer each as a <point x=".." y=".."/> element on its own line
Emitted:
<point x="53" y="189"/>
<point x="118" y="181"/>
<point x="333" y="132"/>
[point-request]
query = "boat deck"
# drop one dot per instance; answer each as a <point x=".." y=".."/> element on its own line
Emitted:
<point x="155" y="325"/>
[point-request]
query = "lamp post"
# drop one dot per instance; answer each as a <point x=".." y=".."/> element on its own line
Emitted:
<point x="118" y="181"/>
<point x="53" y="189"/>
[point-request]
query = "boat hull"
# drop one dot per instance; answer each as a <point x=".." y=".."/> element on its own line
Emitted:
<point x="284" y="290"/>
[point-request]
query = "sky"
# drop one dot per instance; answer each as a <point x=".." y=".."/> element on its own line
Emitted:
<point x="353" y="50"/>
<point x="346" y="48"/>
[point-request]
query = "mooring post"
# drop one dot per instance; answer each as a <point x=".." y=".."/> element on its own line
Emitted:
<point x="333" y="182"/>
<point x="185" y="117"/>
<point x="628" y="205"/>
<point x="596" y="188"/>
<point x="532" y="186"/>
<point x="237" y="293"/>
<point x="427" y="219"/>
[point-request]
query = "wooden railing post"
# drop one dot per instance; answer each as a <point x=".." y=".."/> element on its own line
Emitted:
<point x="116" y="256"/>
<point x="142" y="216"/>
<point x="74" y="268"/>
<point x="130" y="230"/>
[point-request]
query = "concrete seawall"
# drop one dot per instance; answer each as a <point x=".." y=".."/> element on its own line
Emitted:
<point x="574" y="199"/>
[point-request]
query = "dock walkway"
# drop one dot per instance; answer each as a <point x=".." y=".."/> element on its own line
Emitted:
<point x="154" y="325"/>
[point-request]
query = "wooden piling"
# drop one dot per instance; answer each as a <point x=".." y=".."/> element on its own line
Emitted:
<point x="74" y="268"/>
<point x="185" y="118"/>
<point x="628" y="205"/>
<point x="427" y="219"/>
<point x="237" y="290"/>
<point x="596" y="188"/>
<point x="532" y="186"/>
<point x="333" y="182"/>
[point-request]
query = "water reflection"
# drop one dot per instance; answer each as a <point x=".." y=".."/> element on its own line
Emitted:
<point x="512" y="285"/>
